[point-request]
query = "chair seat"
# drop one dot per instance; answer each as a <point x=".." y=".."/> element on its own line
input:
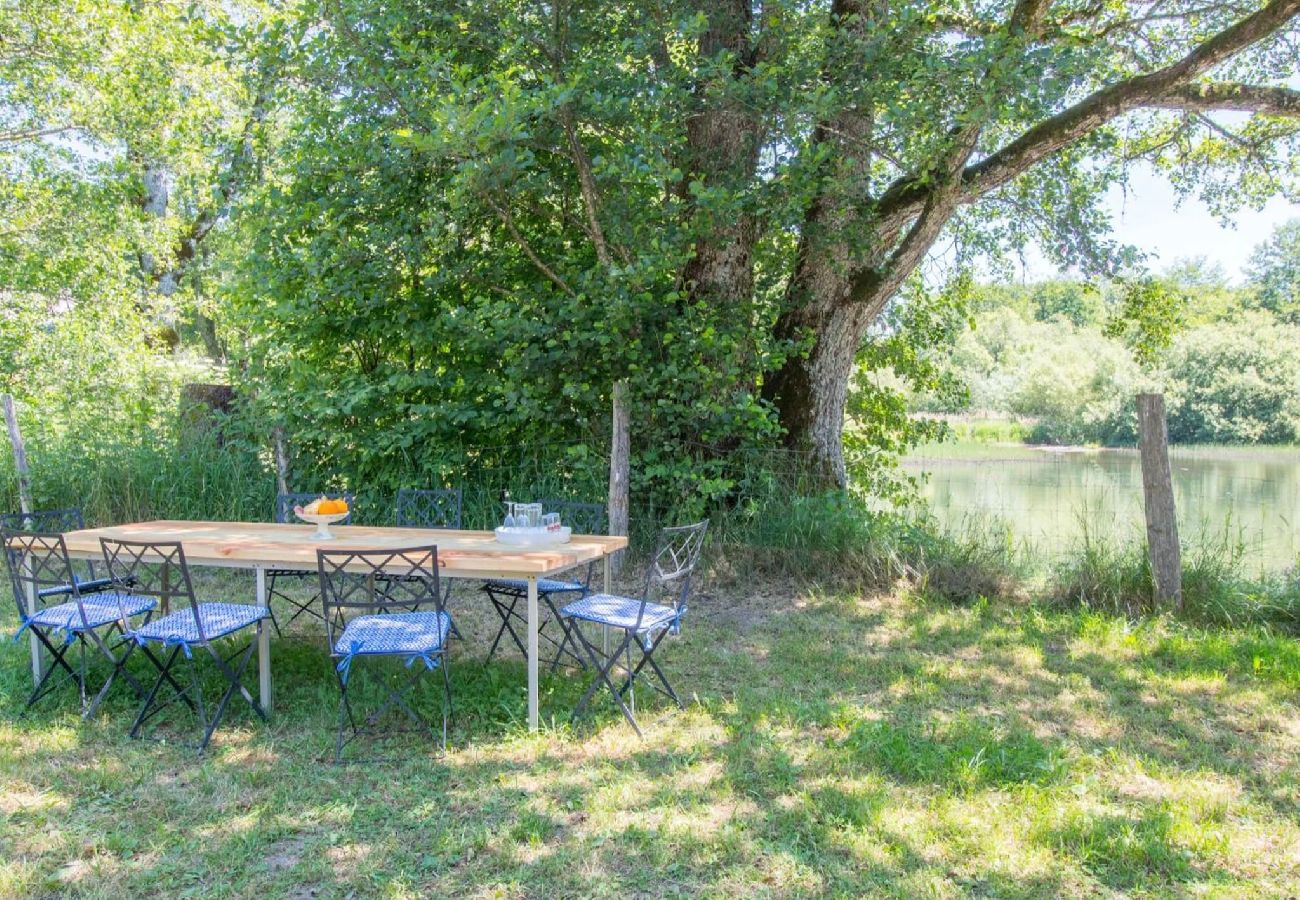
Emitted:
<point x="412" y="633"/>
<point x="219" y="620"/>
<point x="619" y="612"/>
<point x="101" y="609"/>
<point x="544" y="586"/>
<point x="85" y="587"/>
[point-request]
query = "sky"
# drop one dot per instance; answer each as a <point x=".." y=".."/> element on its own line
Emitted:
<point x="1148" y="217"/>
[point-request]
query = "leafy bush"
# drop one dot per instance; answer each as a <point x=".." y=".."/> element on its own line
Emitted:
<point x="1236" y="382"/>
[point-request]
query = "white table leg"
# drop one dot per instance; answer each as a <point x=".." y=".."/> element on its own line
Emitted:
<point x="38" y="664"/>
<point x="609" y="586"/>
<point x="532" y="653"/>
<point x="263" y="646"/>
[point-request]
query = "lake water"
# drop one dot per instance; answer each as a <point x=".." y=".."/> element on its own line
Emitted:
<point x="1048" y="497"/>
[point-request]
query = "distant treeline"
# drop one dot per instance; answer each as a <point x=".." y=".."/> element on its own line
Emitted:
<point x="1231" y="375"/>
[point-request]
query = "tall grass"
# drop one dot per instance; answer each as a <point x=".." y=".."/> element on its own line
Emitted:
<point x="768" y="521"/>
<point x="1116" y="578"/>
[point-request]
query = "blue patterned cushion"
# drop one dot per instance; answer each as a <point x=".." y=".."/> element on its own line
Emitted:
<point x="219" y="620"/>
<point x="101" y="609"/>
<point x="413" y="633"/>
<point x="86" y="587"/>
<point x="544" y="586"/>
<point x="619" y="612"/>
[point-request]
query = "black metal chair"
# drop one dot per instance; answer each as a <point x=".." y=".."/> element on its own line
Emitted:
<point x="507" y="593"/>
<point x="435" y="508"/>
<point x="438" y="508"/>
<point x="644" y="622"/>
<point x="367" y="598"/>
<point x="40" y="572"/>
<point x="276" y="578"/>
<point x="56" y="521"/>
<point x="158" y="570"/>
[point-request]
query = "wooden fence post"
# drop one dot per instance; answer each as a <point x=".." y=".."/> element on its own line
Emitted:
<point x="20" y="454"/>
<point x="1158" y="493"/>
<point x="620" y="451"/>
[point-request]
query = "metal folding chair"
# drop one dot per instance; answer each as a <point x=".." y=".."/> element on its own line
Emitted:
<point x="432" y="508"/>
<point x="644" y="622"/>
<point x="52" y="521"/>
<point x="40" y="573"/>
<point x="506" y="594"/>
<point x="158" y="570"/>
<point x="276" y="578"/>
<point x="366" y="600"/>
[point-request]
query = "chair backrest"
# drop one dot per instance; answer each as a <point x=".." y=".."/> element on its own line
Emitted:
<point x="439" y="508"/>
<point x="583" y="518"/>
<point x="151" y="569"/>
<point x="668" y="577"/>
<point x="37" y="562"/>
<point x="44" y="521"/>
<point x="284" y="504"/>
<point x="355" y="582"/>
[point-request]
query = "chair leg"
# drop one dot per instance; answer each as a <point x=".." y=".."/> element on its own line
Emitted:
<point x="602" y="675"/>
<point x="164" y="674"/>
<point x="647" y="656"/>
<point x="506" y="613"/>
<point x="235" y="677"/>
<point x="119" y="668"/>
<point x="565" y="639"/>
<point x="45" y="686"/>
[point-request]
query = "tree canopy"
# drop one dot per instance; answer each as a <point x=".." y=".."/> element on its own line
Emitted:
<point x="411" y="224"/>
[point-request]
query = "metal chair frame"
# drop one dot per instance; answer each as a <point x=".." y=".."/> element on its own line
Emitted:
<point x="433" y="508"/>
<point x="52" y="521"/>
<point x="40" y="569"/>
<point x="374" y="582"/>
<point x="584" y="518"/>
<point x="668" y="576"/>
<point x="284" y="504"/>
<point x="159" y="570"/>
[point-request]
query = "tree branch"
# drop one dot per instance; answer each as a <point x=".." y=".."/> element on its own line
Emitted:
<point x="509" y="221"/>
<point x="1223" y="95"/>
<point x="906" y="197"/>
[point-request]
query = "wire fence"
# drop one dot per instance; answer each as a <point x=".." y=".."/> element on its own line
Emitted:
<point x="1246" y="500"/>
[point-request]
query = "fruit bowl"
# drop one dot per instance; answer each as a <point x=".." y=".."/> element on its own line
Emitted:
<point x="322" y="521"/>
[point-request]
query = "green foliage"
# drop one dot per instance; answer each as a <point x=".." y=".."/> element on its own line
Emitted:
<point x="1235" y="382"/>
<point x="1149" y="313"/>
<point x="1275" y="273"/>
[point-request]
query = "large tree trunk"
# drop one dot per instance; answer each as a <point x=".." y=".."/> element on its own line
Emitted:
<point x="837" y="240"/>
<point x="723" y="140"/>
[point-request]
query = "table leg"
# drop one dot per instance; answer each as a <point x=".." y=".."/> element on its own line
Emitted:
<point x="38" y="663"/>
<point x="263" y="647"/>
<point x="609" y="586"/>
<point x="532" y="653"/>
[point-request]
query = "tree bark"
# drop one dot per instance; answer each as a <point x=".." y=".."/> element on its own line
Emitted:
<point x="723" y="141"/>
<point x="620" y="455"/>
<point x="1158" y="492"/>
<point x="837" y="293"/>
<point x="20" y="454"/>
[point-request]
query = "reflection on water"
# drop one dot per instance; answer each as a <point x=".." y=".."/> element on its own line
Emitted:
<point x="1048" y="497"/>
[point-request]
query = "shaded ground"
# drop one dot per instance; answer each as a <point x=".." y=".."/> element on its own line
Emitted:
<point x="834" y="745"/>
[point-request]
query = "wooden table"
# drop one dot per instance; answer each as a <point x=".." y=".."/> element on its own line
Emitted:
<point x="262" y="546"/>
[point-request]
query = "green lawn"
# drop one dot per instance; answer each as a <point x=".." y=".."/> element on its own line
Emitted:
<point x="835" y="744"/>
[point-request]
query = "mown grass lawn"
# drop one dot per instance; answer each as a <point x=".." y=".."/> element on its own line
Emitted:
<point x="836" y="744"/>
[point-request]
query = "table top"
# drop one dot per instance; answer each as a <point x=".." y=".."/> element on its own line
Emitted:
<point x="468" y="554"/>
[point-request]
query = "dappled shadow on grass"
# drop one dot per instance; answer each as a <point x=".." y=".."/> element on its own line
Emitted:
<point x="840" y="746"/>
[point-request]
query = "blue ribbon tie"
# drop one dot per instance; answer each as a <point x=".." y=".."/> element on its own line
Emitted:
<point x="429" y="662"/>
<point x="344" y="667"/>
